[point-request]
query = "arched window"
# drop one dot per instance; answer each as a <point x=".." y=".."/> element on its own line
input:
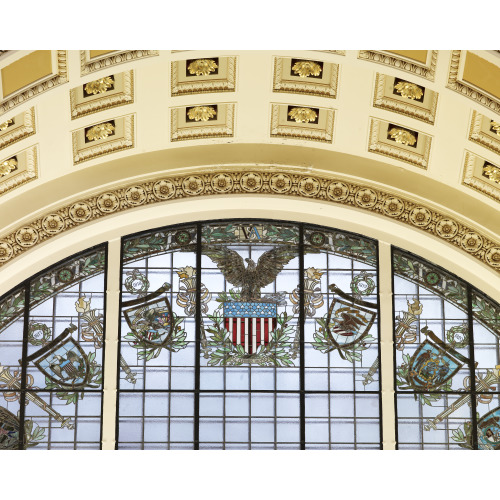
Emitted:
<point x="247" y="334"/>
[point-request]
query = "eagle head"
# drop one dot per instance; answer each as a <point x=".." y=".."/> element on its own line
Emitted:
<point x="251" y="264"/>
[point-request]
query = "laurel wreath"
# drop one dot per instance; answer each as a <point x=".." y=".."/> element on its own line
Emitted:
<point x="220" y="350"/>
<point x="95" y="378"/>
<point x="324" y="344"/>
<point x="176" y="342"/>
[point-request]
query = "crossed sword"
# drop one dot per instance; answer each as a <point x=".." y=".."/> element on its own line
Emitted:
<point x="492" y="377"/>
<point x="14" y="383"/>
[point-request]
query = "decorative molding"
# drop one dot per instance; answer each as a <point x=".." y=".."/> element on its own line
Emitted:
<point x="324" y="85"/>
<point x="123" y="94"/>
<point x="474" y="178"/>
<point x="402" y="64"/>
<point x="27" y="170"/>
<point x="123" y="138"/>
<point x="39" y="87"/>
<point x="23" y="126"/>
<point x="270" y="181"/>
<point x="378" y="143"/>
<point x="480" y="132"/>
<point x="322" y="131"/>
<point x="222" y="125"/>
<point x="222" y="81"/>
<point x="384" y="99"/>
<point x="336" y="52"/>
<point x="464" y="88"/>
<point x="89" y="66"/>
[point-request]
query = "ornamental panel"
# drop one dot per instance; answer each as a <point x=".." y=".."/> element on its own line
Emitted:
<point x="18" y="169"/>
<point x="17" y="127"/>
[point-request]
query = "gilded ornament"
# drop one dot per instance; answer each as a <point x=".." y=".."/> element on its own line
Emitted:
<point x="193" y="185"/>
<point x="99" y="86"/>
<point x="402" y="136"/>
<point x="280" y="183"/>
<point x="495" y="127"/>
<point x="27" y="236"/>
<point x="471" y="242"/>
<point x="6" y="124"/>
<point x="420" y="216"/>
<point x="306" y="68"/>
<point x="303" y="115"/>
<point x="408" y="90"/>
<point x="202" y="67"/>
<point x="251" y="182"/>
<point x="337" y="191"/>
<point x="53" y="223"/>
<point x="393" y="206"/>
<point x="492" y="173"/>
<point x="7" y="166"/>
<point x="135" y="195"/>
<point x="493" y="257"/>
<point x="6" y="251"/>
<point x="201" y="113"/>
<point x="108" y="202"/>
<point x="80" y="212"/>
<point x="366" y="198"/>
<point x="447" y="228"/>
<point x="164" y="189"/>
<point x="309" y="186"/>
<point x="100" y="131"/>
<point x="222" y="183"/>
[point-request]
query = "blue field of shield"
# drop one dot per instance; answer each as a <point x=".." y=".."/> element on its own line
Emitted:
<point x="65" y="363"/>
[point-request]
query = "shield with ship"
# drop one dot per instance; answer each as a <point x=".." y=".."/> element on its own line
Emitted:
<point x="488" y="430"/>
<point x="9" y="430"/>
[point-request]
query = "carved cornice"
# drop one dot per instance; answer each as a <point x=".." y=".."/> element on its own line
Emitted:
<point x="394" y="61"/>
<point x="19" y="133"/>
<point x="88" y="66"/>
<point x="475" y="180"/>
<point x="261" y="181"/>
<point x="477" y="134"/>
<point x="106" y="101"/>
<point x="465" y="89"/>
<point x="28" y="173"/>
<point x="59" y="78"/>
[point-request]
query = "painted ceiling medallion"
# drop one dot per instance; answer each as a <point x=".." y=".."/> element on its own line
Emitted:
<point x="6" y="124"/>
<point x="495" y="127"/>
<point x="99" y="86"/>
<point x="303" y="115"/>
<point x="402" y="136"/>
<point x="306" y="68"/>
<point x="492" y="172"/>
<point x="201" y="113"/>
<point x="100" y="131"/>
<point x="202" y="67"/>
<point x="7" y="166"/>
<point x="408" y="90"/>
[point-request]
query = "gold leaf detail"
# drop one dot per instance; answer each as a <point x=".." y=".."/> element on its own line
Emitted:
<point x="7" y="166"/>
<point x="303" y="115"/>
<point x="201" y="113"/>
<point x="408" y="90"/>
<point x="202" y="67"/>
<point x="495" y="126"/>
<point x="6" y="124"/>
<point x="99" y="86"/>
<point x="100" y="131"/>
<point x="492" y="172"/>
<point x="306" y="68"/>
<point x="402" y="136"/>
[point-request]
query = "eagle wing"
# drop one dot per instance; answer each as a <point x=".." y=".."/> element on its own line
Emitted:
<point x="228" y="261"/>
<point x="272" y="262"/>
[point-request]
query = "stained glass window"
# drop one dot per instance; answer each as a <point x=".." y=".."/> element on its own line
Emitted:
<point x="447" y="357"/>
<point x="51" y="357"/>
<point x="249" y="335"/>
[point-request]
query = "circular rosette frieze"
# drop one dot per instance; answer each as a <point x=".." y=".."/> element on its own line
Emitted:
<point x="393" y="207"/>
<point x="80" y="212"/>
<point x="251" y="182"/>
<point x="135" y="195"/>
<point x="6" y="251"/>
<point x="164" y="189"/>
<point x="447" y="228"/>
<point x="108" y="202"/>
<point x="309" y="186"/>
<point x="420" y="216"/>
<point x="222" y="183"/>
<point x="366" y="198"/>
<point x="27" y="236"/>
<point x="53" y="223"/>
<point x="193" y="185"/>
<point x="492" y="257"/>
<point x="337" y="191"/>
<point x="280" y="183"/>
<point x="471" y="242"/>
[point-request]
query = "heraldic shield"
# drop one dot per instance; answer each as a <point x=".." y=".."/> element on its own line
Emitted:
<point x="433" y="363"/>
<point x="488" y="430"/>
<point x="9" y="430"/>
<point x="150" y="318"/>
<point x="250" y="323"/>
<point x="64" y="361"/>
